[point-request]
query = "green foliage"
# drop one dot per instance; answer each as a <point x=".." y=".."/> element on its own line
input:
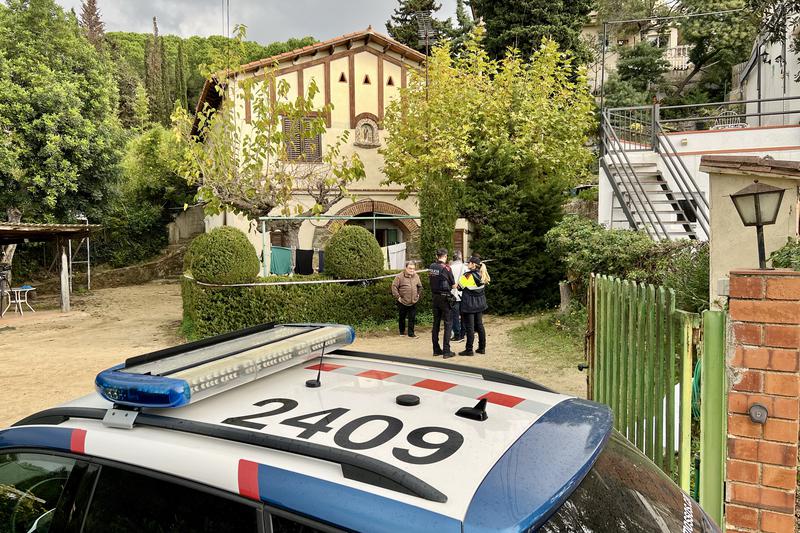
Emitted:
<point x="522" y="24"/>
<point x="210" y="311"/>
<point x="402" y="25"/>
<point x="496" y="141"/>
<point x="58" y="105"/>
<point x="718" y="41"/>
<point x="643" y="66"/>
<point x="788" y="256"/>
<point x="585" y="247"/>
<point x="150" y="167"/>
<point x="353" y="253"/>
<point x="621" y="93"/>
<point x="132" y="232"/>
<point x="513" y="210"/>
<point x="134" y="221"/>
<point x="197" y="51"/>
<point x="226" y="256"/>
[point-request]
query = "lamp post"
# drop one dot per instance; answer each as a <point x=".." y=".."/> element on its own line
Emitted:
<point x="758" y="205"/>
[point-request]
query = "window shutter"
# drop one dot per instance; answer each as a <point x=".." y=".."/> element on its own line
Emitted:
<point x="299" y="146"/>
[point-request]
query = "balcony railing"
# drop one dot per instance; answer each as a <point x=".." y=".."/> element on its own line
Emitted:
<point x="678" y="57"/>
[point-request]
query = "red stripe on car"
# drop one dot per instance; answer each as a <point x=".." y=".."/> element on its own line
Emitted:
<point x="77" y="441"/>
<point x="248" y="479"/>
<point x="325" y="367"/>
<point x="436" y="385"/>
<point x="376" y="374"/>
<point x="501" y="399"/>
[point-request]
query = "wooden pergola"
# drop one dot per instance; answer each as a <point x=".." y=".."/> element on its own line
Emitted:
<point x="19" y="233"/>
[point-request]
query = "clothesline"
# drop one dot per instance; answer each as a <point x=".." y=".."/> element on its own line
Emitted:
<point x="307" y="282"/>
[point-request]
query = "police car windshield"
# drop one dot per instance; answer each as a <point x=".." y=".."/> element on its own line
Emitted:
<point x="624" y="491"/>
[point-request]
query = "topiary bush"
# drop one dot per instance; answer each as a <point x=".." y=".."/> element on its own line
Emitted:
<point x="223" y="256"/>
<point x="353" y="253"/>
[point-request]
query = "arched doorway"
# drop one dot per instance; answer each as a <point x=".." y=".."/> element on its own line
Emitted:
<point x="386" y="232"/>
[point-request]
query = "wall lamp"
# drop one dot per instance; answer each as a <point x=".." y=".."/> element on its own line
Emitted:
<point x="758" y="205"/>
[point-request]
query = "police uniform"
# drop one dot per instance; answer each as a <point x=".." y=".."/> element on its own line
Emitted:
<point x="442" y="281"/>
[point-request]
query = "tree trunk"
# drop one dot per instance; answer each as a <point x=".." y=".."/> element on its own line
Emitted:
<point x="290" y="228"/>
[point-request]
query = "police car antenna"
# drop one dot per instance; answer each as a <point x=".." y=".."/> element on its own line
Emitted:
<point x="315" y="383"/>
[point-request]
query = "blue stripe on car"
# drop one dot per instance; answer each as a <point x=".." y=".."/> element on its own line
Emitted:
<point x="344" y="506"/>
<point x="36" y="437"/>
<point x="539" y="472"/>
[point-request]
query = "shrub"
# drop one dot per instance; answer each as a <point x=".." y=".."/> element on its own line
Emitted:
<point x="214" y="310"/>
<point x="788" y="256"/>
<point x="587" y="247"/>
<point x="223" y="256"/>
<point x="353" y="253"/>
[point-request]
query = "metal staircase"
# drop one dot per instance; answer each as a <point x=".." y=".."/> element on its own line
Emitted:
<point x="666" y="207"/>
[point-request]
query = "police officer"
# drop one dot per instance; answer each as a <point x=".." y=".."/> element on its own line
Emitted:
<point x="442" y="282"/>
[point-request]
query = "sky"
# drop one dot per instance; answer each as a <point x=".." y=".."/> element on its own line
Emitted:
<point x="266" y="20"/>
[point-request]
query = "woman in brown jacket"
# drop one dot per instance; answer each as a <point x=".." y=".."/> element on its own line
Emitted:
<point x="406" y="289"/>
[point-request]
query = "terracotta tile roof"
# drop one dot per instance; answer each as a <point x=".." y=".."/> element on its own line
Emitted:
<point x="750" y="165"/>
<point x="337" y="41"/>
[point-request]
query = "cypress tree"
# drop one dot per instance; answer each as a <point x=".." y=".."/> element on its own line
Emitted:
<point x="180" y="77"/>
<point x="166" y="86"/>
<point x="92" y="24"/>
<point x="154" y="84"/>
<point x="402" y="25"/>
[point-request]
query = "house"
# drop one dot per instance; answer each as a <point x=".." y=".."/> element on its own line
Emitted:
<point x="359" y="74"/>
<point x="619" y="37"/>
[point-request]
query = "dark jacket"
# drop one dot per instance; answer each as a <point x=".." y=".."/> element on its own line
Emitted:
<point x="441" y="278"/>
<point x="473" y="297"/>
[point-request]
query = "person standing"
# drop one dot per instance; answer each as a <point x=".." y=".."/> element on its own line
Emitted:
<point x="406" y="289"/>
<point x="458" y="267"/>
<point x="473" y="304"/>
<point x="442" y="282"/>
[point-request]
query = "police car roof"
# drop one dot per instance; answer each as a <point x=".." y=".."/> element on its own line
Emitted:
<point x="413" y="464"/>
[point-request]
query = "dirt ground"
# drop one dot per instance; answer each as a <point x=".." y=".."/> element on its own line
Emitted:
<point x="47" y="358"/>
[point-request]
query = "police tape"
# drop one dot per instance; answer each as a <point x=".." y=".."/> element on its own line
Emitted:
<point x="307" y="282"/>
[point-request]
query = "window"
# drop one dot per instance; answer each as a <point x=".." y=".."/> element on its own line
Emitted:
<point x="128" y="501"/>
<point x="31" y="486"/>
<point x="342" y="78"/>
<point x="624" y="491"/>
<point x="366" y="80"/>
<point x="390" y="83"/>
<point x="281" y="524"/>
<point x="303" y="147"/>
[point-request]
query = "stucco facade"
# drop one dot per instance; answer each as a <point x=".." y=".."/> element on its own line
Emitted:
<point x="359" y="75"/>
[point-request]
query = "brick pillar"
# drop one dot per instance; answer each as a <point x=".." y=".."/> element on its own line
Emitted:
<point x="761" y="477"/>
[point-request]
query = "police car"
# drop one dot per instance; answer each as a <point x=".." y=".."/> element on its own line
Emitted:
<point x="283" y="429"/>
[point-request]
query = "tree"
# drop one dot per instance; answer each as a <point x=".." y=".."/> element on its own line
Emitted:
<point x="402" y="25"/>
<point x="154" y="77"/>
<point x="463" y="30"/>
<point x="180" y="78"/>
<point x="92" y="24"/>
<point x="644" y="13"/>
<point x="538" y="111"/>
<point x="522" y="24"/>
<point x="643" y="66"/>
<point x="141" y="110"/>
<point x="257" y="167"/>
<point x="58" y="105"/>
<point x="718" y="41"/>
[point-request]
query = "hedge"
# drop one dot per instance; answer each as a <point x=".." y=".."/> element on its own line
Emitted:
<point x="213" y="310"/>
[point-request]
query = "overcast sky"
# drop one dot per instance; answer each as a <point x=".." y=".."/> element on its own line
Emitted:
<point x="266" y="20"/>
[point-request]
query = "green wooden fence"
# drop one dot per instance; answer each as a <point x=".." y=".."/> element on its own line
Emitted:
<point x="641" y="361"/>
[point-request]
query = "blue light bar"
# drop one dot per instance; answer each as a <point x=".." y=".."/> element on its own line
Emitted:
<point x="186" y="377"/>
<point x="140" y="390"/>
